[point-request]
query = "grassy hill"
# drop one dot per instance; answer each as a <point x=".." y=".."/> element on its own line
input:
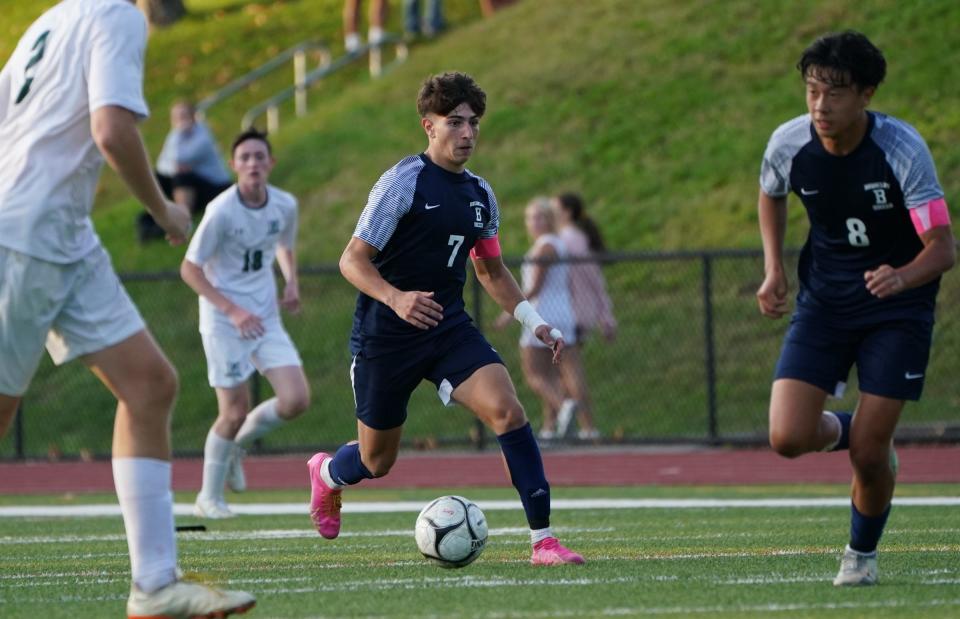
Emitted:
<point x="657" y="112"/>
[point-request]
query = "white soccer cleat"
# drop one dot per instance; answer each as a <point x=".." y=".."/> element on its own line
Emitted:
<point x="236" y="479"/>
<point x="857" y="569"/>
<point x="183" y="599"/>
<point x="212" y="509"/>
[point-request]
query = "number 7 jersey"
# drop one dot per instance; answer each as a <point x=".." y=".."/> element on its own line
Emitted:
<point x="423" y="220"/>
<point x="859" y="209"/>
<point x="236" y="244"/>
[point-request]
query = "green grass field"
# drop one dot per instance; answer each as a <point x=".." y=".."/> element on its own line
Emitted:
<point x="677" y="562"/>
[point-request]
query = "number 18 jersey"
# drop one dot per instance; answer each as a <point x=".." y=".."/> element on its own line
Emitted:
<point x="424" y="220"/>
<point x="858" y="206"/>
<point x="235" y="244"/>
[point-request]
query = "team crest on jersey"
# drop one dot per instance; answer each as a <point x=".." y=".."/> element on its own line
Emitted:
<point x="879" y="190"/>
<point x="274" y="227"/>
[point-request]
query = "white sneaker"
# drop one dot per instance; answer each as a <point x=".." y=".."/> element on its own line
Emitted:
<point x="857" y="569"/>
<point x="565" y="416"/>
<point x="210" y="508"/>
<point x="588" y="435"/>
<point x="236" y="479"/>
<point x="546" y="435"/>
<point x="183" y="599"/>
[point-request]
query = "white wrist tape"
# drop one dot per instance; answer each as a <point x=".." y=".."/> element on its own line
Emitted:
<point x="527" y="316"/>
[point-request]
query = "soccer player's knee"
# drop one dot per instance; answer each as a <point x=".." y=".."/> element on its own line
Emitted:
<point x="786" y="445"/>
<point x="510" y="416"/>
<point x="162" y="385"/>
<point x="291" y="406"/>
<point x="870" y="464"/>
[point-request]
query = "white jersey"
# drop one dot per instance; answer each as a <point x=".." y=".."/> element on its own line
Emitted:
<point x="236" y="245"/>
<point x="79" y="56"/>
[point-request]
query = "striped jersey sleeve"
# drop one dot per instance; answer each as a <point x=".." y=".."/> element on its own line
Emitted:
<point x="783" y="146"/>
<point x="389" y="200"/>
<point x="493" y="226"/>
<point x="909" y="158"/>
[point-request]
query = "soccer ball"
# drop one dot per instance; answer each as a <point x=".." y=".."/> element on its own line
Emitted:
<point x="451" y="531"/>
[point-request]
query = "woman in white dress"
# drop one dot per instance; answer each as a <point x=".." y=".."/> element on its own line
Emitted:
<point x="545" y="281"/>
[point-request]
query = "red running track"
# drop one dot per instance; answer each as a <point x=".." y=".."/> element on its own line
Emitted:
<point x="622" y="467"/>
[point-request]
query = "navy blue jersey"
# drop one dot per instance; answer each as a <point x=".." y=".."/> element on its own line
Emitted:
<point x="424" y="221"/>
<point x="858" y="205"/>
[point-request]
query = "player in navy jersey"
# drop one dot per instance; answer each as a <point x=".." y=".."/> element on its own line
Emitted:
<point x="880" y="238"/>
<point x="408" y="259"/>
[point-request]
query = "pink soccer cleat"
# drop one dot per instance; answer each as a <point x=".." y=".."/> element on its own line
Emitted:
<point x="551" y="552"/>
<point x="324" y="501"/>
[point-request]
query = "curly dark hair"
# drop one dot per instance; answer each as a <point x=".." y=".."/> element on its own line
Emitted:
<point x="844" y="59"/>
<point x="441" y="94"/>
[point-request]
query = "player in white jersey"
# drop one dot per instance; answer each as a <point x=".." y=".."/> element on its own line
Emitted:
<point x="70" y="97"/>
<point x="230" y="265"/>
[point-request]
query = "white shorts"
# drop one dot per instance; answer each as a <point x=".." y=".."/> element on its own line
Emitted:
<point x="77" y="309"/>
<point x="231" y="359"/>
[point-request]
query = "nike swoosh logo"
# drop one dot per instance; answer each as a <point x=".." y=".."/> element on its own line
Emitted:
<point x="910" y="376"/>
<point x="430" y="206"/>
<point x="811" y="192"/>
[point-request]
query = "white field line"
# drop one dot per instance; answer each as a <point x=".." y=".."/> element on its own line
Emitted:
<point x="381" y="507"/>
<point x="263" y="534"/>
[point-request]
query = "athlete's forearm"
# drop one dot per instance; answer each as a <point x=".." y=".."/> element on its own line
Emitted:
<point x="192" y="274"/>
<point x="287" y="260"/>
<point x="116" y="134"/>
<point x="772" y="214"/>
<point x="499" y="283"/>
<point x="938" y="256"/>
<point x="356" y="268"/>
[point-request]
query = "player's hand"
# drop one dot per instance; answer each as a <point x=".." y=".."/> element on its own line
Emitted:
<point x="418" y="308"/>
<point x="249" y="325"/>
<point x="176" y="222"/>
<point x="884" y="281"/>
<point x="291" y="298"/>
<point x="552" y="338"/>
<point x="772" y="295"/>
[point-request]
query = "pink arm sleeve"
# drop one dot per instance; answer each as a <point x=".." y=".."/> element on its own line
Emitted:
<point x="930" y="215"/>
<point x="486" y="248"/>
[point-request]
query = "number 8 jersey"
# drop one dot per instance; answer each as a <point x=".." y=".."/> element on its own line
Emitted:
<point x="859" y="206"/>
<point x="424" y="220"/>
<point x="235" y="244"/>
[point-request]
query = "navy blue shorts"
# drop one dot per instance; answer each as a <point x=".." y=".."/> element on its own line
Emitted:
<point x="382" y="385"/>
<point x="891" y="357"/>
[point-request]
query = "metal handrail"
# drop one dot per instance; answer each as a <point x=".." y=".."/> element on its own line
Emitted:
<point x="299" y="55"/>
<point x="299" y="90"/>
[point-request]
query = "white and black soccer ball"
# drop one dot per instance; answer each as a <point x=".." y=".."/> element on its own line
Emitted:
<point x="451" y="531"/>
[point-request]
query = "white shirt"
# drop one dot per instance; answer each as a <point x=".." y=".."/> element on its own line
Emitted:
<point x="79" y="56"/>
<point x="236" y="245"/>
<point x="195" y="148"/>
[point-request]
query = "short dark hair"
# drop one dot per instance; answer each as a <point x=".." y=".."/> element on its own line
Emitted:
<point x="250" y="134"/>
<point x="441" y="94"/>
<point x="842" y="59"/>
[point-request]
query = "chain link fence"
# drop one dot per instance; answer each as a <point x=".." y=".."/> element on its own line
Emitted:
<point x="692" y="363"/>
